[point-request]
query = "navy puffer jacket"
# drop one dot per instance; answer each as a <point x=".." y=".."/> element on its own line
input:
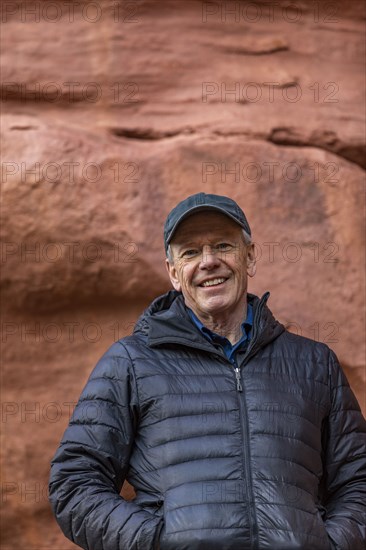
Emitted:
<point x="269" y="457"/>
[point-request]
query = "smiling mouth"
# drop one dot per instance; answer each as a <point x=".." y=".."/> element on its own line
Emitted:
<point x="213" y="282"/>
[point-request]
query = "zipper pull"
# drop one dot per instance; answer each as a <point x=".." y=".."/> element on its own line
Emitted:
<point x="239" y="387"/>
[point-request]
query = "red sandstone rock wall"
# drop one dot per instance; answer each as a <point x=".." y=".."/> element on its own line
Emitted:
<point x="113" y="111"/>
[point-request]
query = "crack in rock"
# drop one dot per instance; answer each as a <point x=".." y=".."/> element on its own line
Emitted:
<point x="148" y="133"/>
<point x="323" y="139"/>
<point x="262" y="51"/>
<point x="25" y="127"/>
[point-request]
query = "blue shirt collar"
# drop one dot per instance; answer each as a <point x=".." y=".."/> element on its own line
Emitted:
<point x="228" y="348"/>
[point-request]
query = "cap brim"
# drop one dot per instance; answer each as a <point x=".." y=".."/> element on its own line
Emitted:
<point x="202" y="208"/>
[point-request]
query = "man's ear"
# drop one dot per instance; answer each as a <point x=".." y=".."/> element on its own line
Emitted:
<point x="173" y="276"/>
<point x="251" y="260"/>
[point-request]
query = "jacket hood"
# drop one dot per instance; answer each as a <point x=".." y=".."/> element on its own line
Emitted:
<point x="166" y="320"/>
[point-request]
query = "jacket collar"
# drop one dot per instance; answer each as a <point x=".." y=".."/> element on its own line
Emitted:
<point x="167" y="321"/>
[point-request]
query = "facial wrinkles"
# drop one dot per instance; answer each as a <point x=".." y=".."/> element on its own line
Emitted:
<point x="209" y="266"/>
<point x="205" y="244"/>
<point x="205" y="262"/>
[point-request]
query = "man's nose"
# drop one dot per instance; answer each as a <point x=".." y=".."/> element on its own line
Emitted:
<point x="209" y="258"/>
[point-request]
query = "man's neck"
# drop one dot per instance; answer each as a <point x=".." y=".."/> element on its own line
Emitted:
<point x="228" y="325"/>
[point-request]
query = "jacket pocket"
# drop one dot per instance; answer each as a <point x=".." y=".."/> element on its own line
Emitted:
<point x="322" y="511"/>
<point x="207" y="515"/>
<point x="322" y="516"/>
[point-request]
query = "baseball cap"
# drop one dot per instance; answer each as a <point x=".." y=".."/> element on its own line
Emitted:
<point x="198" y="203"/>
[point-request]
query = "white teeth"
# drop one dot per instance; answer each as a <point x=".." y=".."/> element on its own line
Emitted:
<point x="213" y="282"/>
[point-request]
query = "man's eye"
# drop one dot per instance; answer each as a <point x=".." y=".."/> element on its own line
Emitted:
<point x="224" y="247"/>
<point x="189" y="253"/>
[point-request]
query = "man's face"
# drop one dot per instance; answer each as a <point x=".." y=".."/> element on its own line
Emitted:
<point x="211" y="264"/>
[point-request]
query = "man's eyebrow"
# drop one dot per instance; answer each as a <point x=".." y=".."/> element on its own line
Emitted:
<point x="197" y="242"/>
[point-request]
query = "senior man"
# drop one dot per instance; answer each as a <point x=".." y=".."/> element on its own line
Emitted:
<point x="234" y="433"/>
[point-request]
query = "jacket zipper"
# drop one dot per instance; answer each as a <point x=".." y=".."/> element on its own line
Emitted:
<point x="239" y="387"/>
<point x="243" y="412"/>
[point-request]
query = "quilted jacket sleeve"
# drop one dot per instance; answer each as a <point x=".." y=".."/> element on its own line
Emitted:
<point x="90" y="465"/>
<point x="345" y="466"/>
